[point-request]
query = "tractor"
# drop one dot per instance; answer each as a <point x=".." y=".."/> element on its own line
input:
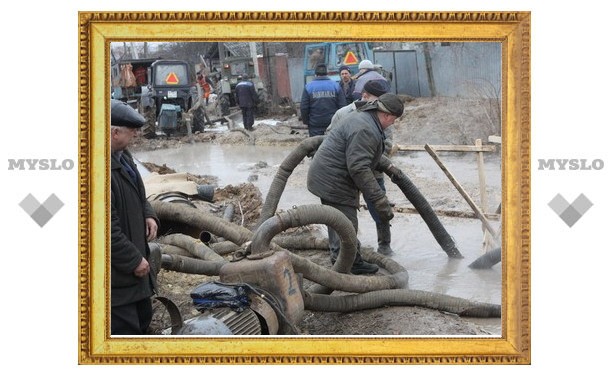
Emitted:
<point x="162" y="90"/>
<point x="227" y="78"/>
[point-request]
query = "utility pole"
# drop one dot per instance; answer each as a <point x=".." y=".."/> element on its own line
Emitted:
<point x="270" y="62"/>
<point x="428" y="66"/>
<point x="134" y="51"/>
<point x="221" y="48"/>
<point x="253" y="48"/>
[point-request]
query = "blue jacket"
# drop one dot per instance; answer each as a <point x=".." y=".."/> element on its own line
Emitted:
<point x="321" y="98"/>
<point x="246" y="95"/>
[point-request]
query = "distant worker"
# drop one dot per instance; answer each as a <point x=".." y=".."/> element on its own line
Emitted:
<point x="366" y="73"/>
<point x="342" y="168"/>
<point x="207" y="86"/>
<point x="246" y="97"/>
<point x="321" y="98"/>
<point x="347" y="84"/>
<point x="372" y="90"/>
<point x="133" y="225"/>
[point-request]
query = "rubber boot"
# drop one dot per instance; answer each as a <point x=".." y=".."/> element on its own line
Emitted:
<point x="384" y="238"/>
<point x="362" y="267"/>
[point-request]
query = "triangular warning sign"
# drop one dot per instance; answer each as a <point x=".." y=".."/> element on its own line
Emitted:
<point x="350" y="58"/>
<point x="172" y="79"/>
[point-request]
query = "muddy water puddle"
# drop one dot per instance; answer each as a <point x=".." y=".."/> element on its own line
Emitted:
<point x="415" y="248"/>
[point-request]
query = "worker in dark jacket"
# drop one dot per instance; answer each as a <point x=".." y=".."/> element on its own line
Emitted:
<point x="321" y="98"/>
<point x="343" y="167"/>
<point x="246" y="96"/>
<point x="347" y="83"/>
<point x="133" y="225"/>
<point x="372" y="90"/>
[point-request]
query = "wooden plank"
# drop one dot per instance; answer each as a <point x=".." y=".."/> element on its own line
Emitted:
<point x="456" y="148"/>
<point x="481" y="180"/>
<point x="495" y="139"/>
<point x="446" y="213"/>
<point x="462" y="191"/>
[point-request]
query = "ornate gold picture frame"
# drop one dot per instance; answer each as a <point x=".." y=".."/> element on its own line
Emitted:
<point x="98" y="29"/>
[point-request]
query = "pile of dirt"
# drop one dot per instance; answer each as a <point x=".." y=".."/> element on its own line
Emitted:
<point x="425" y="120"/>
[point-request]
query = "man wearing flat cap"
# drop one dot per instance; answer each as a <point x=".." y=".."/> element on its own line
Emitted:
<point x="133" y="225"/>
<point x="343" y="167"/>
<point x="372" y="90"/>
<point x="321" y="98"/>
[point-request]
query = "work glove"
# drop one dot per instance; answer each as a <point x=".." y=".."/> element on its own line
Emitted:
<point x="383" y="208"/>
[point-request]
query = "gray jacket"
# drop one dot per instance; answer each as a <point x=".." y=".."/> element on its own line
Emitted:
<point x="343" y="165"/>
<point x="343" y="112"/>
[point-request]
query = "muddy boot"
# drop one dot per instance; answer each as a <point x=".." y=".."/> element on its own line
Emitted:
<point x="384" y="238"/>
<point x="362" y="267"/>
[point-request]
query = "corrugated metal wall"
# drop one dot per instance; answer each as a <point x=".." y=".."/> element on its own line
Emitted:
<point x="466" y="70"/>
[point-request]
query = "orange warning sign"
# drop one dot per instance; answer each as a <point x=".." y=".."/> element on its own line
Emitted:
<point x="172" y="79"/>
<point x="350" y="58"/>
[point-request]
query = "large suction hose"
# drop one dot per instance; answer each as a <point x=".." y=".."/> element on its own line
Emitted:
<point x="413" y="195"/>
<point x="401" y="297"/>
<point x="203" y="221"/>
<point x="322" y="214"/>
<point x="487" y="260"/>
<point x="305" y="148"/>
<point x="376" y="290"/>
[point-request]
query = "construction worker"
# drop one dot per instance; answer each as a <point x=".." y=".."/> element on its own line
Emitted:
<point x="246" y="97"/>
<point x="206" y="84"/>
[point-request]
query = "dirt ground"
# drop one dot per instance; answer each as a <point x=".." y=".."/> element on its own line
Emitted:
<point x="425" y="120"/>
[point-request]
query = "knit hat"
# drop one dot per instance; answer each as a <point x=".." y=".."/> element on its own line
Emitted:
<point x="124" y="115"/>
<point x="366" y="64"/>
<point x="342" y="68"/>
<point x="390" y="103"/>
<point x="376" y="87"/>
<point x="321" y="69"/>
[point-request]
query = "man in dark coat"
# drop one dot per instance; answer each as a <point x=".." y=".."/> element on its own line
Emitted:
<point x="246" y="96"/>
<point x="133" y="225"/>
<point x="347" y="83"/>
<point x="343" y="167"/>
<point x="321" y="98"/>
<point x="372" y="90"/>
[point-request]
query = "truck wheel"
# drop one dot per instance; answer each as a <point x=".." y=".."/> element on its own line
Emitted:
<point x="199" y="119"/>
<point x="148" y="131"/>
<point x="224" y="103"/>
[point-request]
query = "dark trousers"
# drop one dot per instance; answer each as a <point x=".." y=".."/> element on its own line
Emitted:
<point x="315" y="131"/>
<point x="333" y="238"/>
<point x="371" y="209"/>
<point x="131" y="319"/>
<point x="248" y="119"/>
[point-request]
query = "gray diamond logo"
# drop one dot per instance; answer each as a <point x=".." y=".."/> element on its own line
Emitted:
<point x="41" y="213"/>
<point x="570" y="213"/>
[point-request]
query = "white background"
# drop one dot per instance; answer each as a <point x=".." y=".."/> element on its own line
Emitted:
<point x="570" y="114"/>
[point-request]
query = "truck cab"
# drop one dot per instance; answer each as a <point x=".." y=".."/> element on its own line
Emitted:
<point x="335" y="55"/>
